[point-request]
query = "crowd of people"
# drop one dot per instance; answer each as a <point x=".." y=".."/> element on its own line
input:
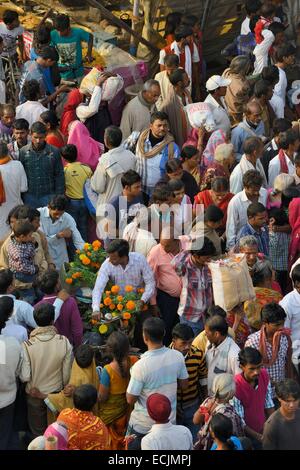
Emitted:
<point x="169" y="199"/>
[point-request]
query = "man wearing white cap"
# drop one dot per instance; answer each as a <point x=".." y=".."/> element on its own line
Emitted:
<point x="217" y="87"/>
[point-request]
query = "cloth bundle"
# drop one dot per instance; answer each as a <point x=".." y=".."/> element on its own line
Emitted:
<point x="200" y="115"/>
<point x="110" y="87"/>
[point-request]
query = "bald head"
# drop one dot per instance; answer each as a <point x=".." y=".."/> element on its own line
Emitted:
<point x="168" y="242"/>
<point x="253" y="113"/>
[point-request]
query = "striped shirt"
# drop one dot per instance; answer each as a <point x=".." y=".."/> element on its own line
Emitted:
<point x="156" y="372"/>
<point x="196" y="367"/>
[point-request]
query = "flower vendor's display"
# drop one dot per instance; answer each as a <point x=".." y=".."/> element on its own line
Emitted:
<point x="83" y="270"/>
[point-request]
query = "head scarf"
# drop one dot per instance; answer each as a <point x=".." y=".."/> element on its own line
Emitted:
<point x="89" y="150"/>
<point x="208" y="157"/>
<point x="159" y="408"/>
<point x="59" y="431"/>
<point x="294" y="219"/>
<point x="223" y="386"/>
<point x="74" y="99"/>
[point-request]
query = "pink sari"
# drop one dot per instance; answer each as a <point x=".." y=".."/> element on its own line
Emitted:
<point x="294" y="219"/>
<point x="208" y="157"/>
<point x="89" y="150"/>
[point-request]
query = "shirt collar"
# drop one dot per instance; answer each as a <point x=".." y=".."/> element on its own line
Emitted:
<point x="244" y="197"/>
<point x="274" y="145"/>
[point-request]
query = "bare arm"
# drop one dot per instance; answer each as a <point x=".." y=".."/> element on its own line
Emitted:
<point x="131" y="399"/>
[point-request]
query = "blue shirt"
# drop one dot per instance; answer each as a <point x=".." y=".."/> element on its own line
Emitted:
<point x="262" y="237"/>
<point x="240" y="134"/>
<point x="236" y="442"/>
<point x="70" y="51"/>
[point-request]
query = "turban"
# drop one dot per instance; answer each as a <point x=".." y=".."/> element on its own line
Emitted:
<point x="159" y="408"/>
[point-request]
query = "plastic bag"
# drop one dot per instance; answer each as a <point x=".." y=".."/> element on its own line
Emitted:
<point x="200" y="115"/>
<point x="110" y="87"/>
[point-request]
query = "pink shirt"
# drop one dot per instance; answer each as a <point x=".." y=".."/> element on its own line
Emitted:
<point x="165" y="276"/>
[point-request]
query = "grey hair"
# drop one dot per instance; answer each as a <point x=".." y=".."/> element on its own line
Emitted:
<point x="240" y="65"/>
<point x="149" y="84"/>
<point x="282" y="182"/>
<point x="263" y="268"/>
<point x="223" y="152"/>
<point x="248" y="240"/>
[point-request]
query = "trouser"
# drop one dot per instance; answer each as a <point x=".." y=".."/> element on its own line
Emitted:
<point x="135" y="444"/>
<point x="168" y="307"/>
<point x="6" y="426"/>
<point x="185" y="417"/>
<point x="197" y="327"/>
<point x="37" y="415"/>
<point x="36" y="202"/>
<point x="77" y="209"/>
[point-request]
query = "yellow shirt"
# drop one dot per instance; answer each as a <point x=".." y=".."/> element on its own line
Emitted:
<point x="76" y="175"/>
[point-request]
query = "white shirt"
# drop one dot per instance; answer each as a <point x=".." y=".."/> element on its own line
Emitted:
<point x="219" y="113"/>
<point x="291" y="305"/>
<point x="57" y="246"/>
<point x="212" y="361"/>
<point x="136" y="273"/>
<point x="10" y="367"/>
<point x="281" y="86"/>
<point x="237" y="214"/>
<point x="10" y="39"/>
<point x="168" y="436"/>
<point x="274" y="169"/>
<point x="17" y="331"/>
<point x="144" y="240"/>
<point x="236" y="177"/>
<point x="31" y="111"/>
<point x="277" y="104"/>
<point x="261" y="51"/>
<point x="84" y="111"/>
<point x="245" y="27"/>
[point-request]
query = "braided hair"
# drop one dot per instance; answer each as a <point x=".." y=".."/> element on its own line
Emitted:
<point x="222" y="428"/>
<point x="118" y="346"/>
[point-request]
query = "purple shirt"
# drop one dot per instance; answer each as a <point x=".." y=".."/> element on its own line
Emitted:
<point x="69" y="322"/>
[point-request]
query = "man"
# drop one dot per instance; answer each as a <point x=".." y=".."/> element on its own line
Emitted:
<point x="271" y="75"/>
<point x="237" y="207"/>
<point x="32" y="108"/>
<point x="39" y="70"/>
<point x="291" y="305"/>
<point x="123" y="268"/>
<point x="273" y="36"/>
<point x="43" y="168"/>
<point x="106" y="181"/>
<point x="160" y="369"/>
<point x="221" y="351"/>
<point x="58" y="226"/>
<point x="271" y="150"/>
<point x="256" y="226"/>
<point x="263" y="92"/>
<point x="164" y="435"/>
<point x="274" y="343"/>
<point x="284" y="162"/>
<point x="282" y="429"/>
<point x="253" y="149"/>
<point x="7" y="117"/>
<point x="23" y="311"/>
<point x="168" y="283"/>
<point x="46" y="366"/>
<point x="154" y="147"/>
<point x="187" y="52"/>
<point x="248" y="245"/>
<point x="213" y="218"/>
<point x="136" y="114"/>
<point x="253" y="395"/>
<point x="68" y="42"/>
<point x="252" y="126"/>
<point x="196" y="295"/>
<point x="284" y="57"/>
<point x="12" y="33"/>
<point x="174" y="106"/>
<point x="20" y="138"/>
<point x="189" y="399"/>
<point x="252" y="8"/>
<point x="217" y="89"/>
<point x="171" y="63"/>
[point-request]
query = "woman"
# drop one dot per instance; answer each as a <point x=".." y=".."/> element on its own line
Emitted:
<point x="223" y="391"/>
<point x="238" y="92"/>
<point x="208" y="157"/>
<point x="138" y="234"/>
<point x="88" y="150"/>
<point x="190" y="161"/>
<point x="57" y="430"/>
<point x="54" y="136"/>
<point x="262" y="281"/>
<point x="113" y="409"/>
<point x="224" y="160"/>
<point x="294" y="219"/>
<point x="218" y="195"/>
<point x="74" y="99"/>
<point x="281" y="183"/>
<point x="221" y="430"/>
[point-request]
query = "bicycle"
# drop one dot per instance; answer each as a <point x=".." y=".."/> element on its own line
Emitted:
<point x="12" y="76"/>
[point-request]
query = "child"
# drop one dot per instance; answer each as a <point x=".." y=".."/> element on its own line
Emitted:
<point x="252" y="8"/>
<point x="12" y="34"/>
<point x="279" y="237"/>
<point x="221" y="430"/>
<point x="76" y="174"/>
<point x="21" y="252"/>
<point x="182" y="205"/>
<point x="2" y="76"/>
<point x="267" y="17"/>
<point x="11" y="328"/>
<point x="190" y="161"/>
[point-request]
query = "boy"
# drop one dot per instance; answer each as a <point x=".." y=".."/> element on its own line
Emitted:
<point x="279" y="229"/>
<point x="2" y="76"/>
<point x="182" y="207"/>
<point x="256" y="225"/>
<point x="12" y="34"/>
<point x="20" y="137"/>
<point x="285" y="56"/>
<point x="275" y="342"/>
<point x="76" y="174"/>
<point x="253" y="395"/>
<point x="21" y="252"/>
<point x="267" y="17"/>
<point x="252" y="8"/>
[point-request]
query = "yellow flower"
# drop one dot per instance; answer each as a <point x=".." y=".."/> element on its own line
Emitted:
<point x="103" y="329"/>
<point x="130" y="305"/>
<point x="128" y="288"/>
<point x="86" y="246"/>
<point x="101" y="305"/>
<point x="82" y="257"/>
<point x="115" y="314"/>
<point x="115" y="289"/>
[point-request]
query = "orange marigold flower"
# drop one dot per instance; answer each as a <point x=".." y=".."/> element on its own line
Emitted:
<point x="96" y="244"/>
<point x="107" y="301"/>
<point x="112" y="306"/>
<point x="120" y="307"/>
<point x="130" y="305"/>
<point x="86" y="246"/>
<point x="69" y="280"/>
<point x="89" y="253"/>
<point x="74" y="276"/>
<point x="126" y="316"/>
<point x="128" y="288"/>
<point x="107" y="292"/>
<point x="95" y="248"/>
<point x="115" y="289"/>
<point x="86" y="261"/>
<point x="120" y="298"/>
<point x="141" y="290"/>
